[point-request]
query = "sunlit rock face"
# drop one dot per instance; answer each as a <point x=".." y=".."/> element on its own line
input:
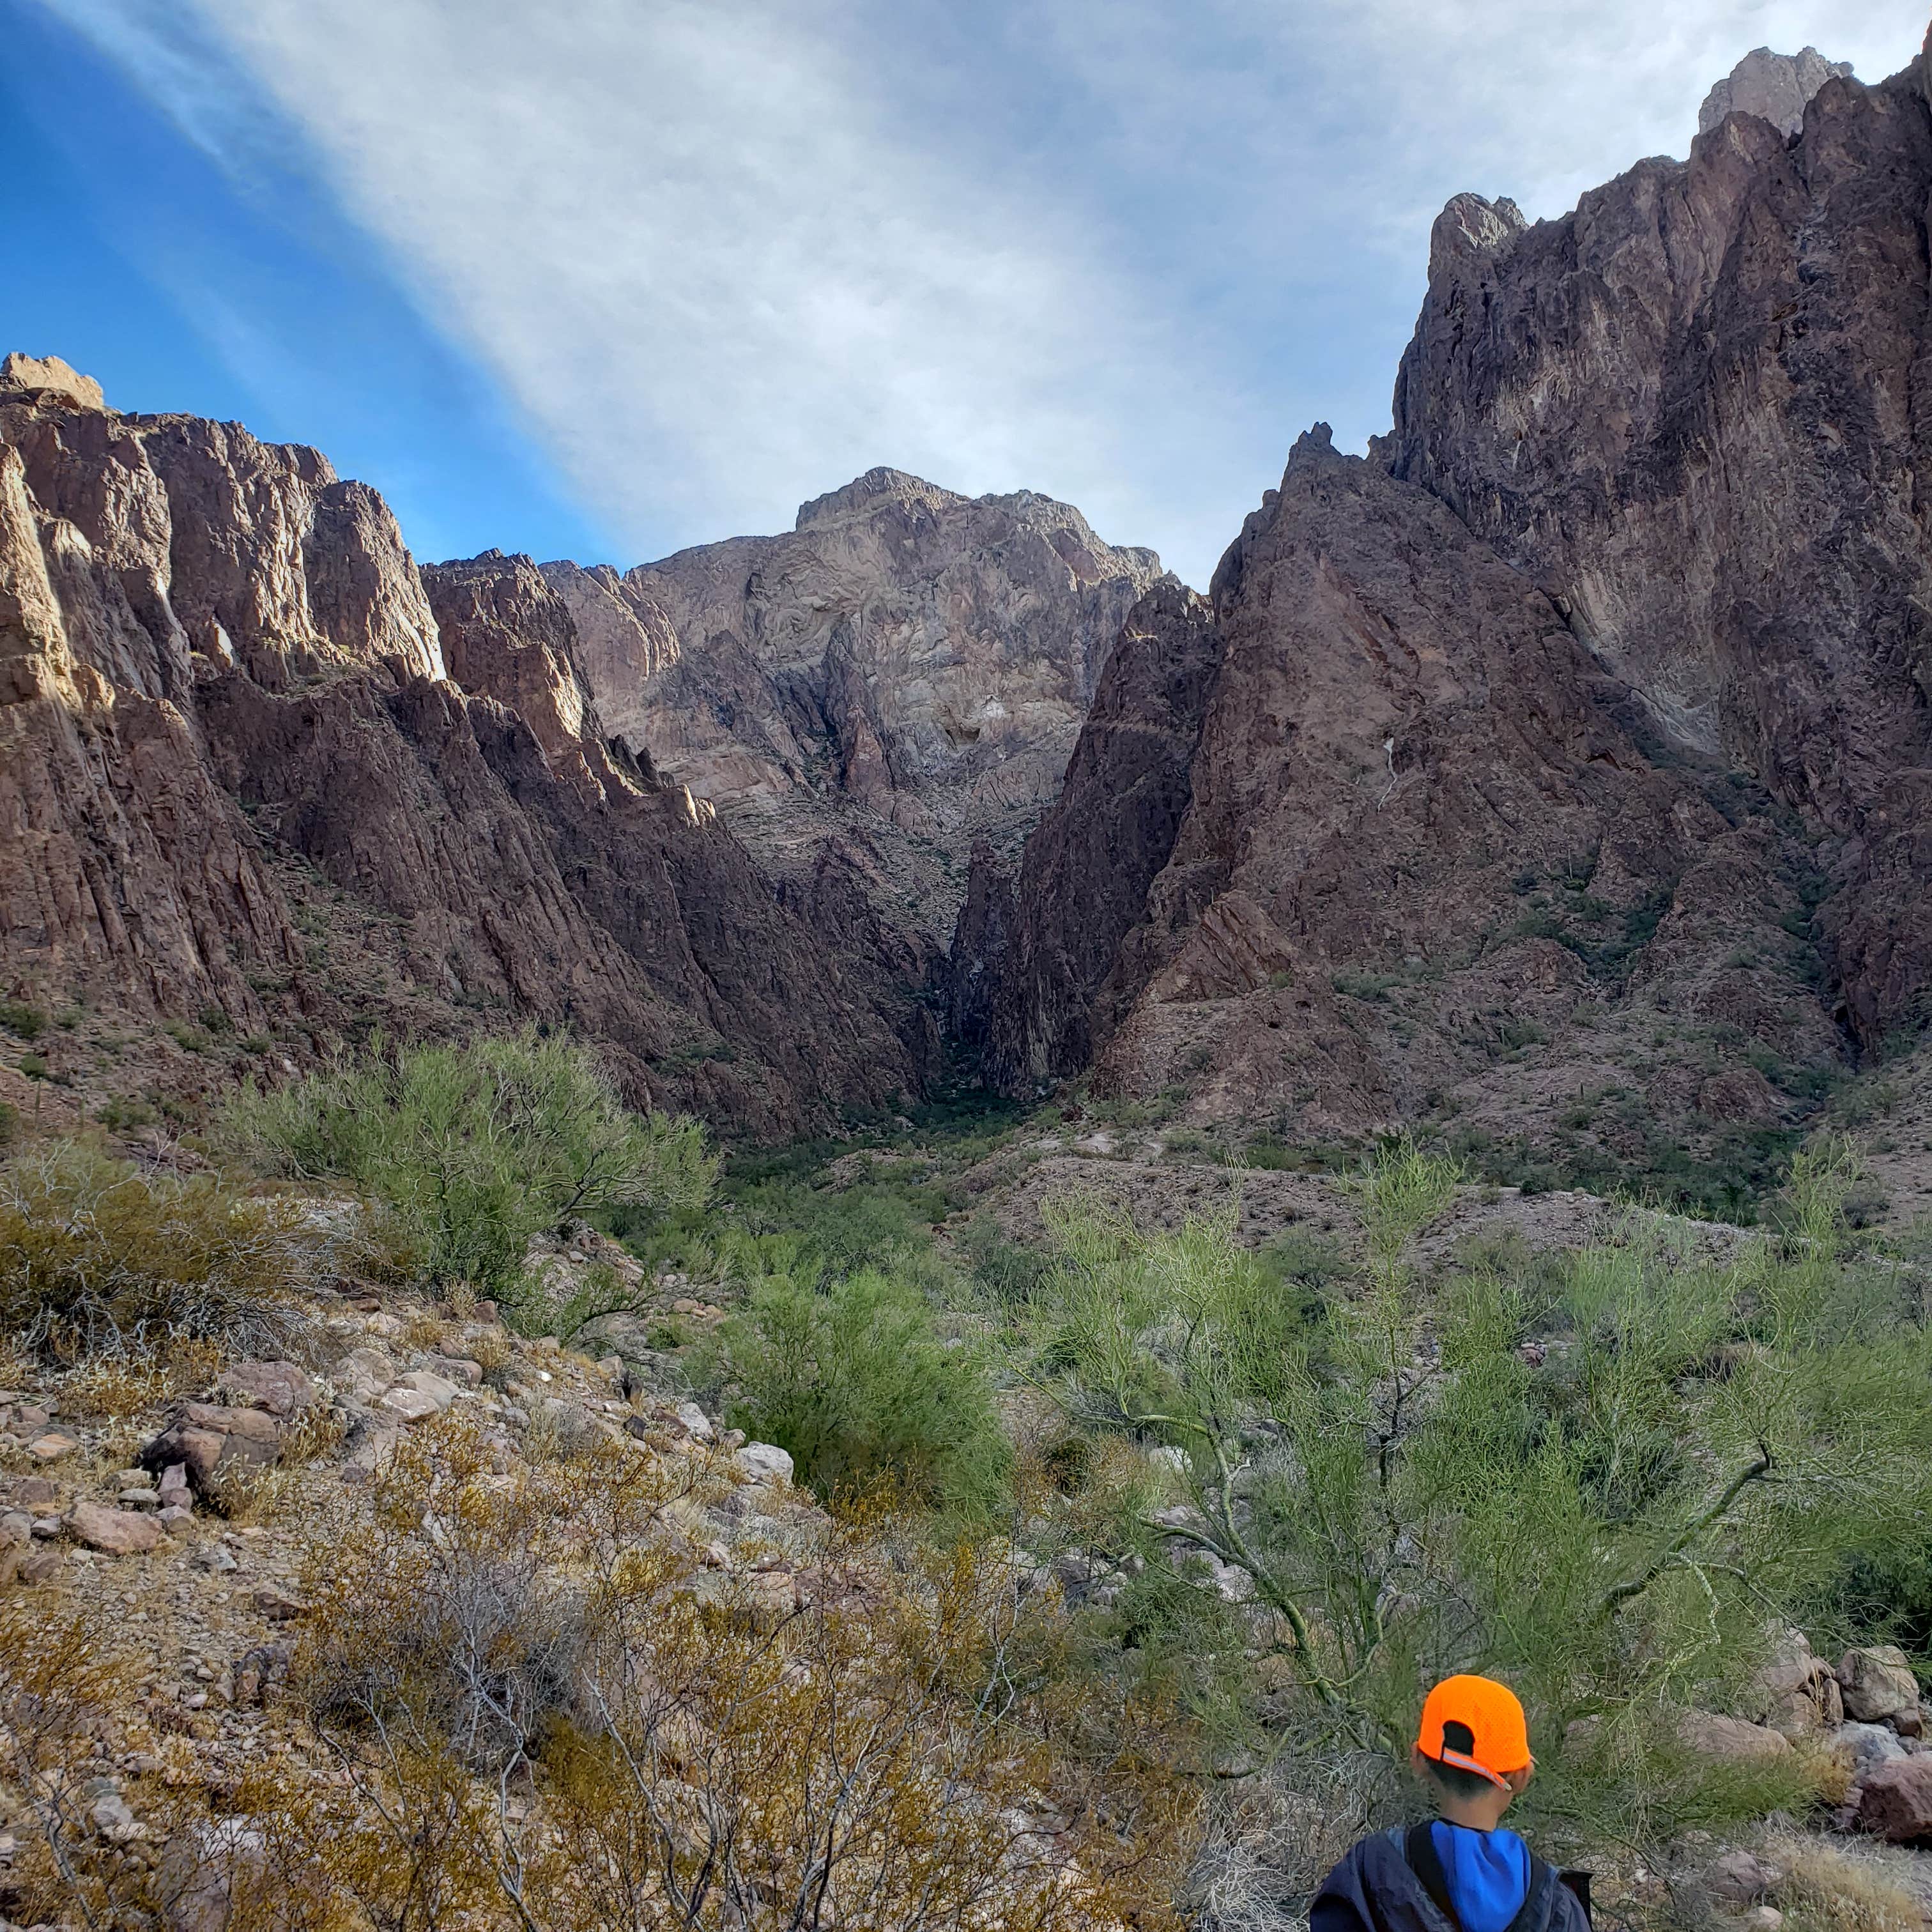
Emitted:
<point x="256" y="769"/>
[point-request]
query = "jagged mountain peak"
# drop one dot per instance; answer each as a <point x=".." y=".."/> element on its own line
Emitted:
<point x="861" y="497"/>
<point x="1776" y="87"/>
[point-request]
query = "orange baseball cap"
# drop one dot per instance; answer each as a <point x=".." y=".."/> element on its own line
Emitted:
<point x="1476" y="1724"/>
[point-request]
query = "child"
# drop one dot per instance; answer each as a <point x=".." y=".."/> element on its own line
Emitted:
<point x="1473" y="1753"/>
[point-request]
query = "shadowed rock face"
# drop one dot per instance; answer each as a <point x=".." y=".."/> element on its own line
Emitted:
<point x="245" y="770"/>
<point x="903" y="674"/>
<point x="1695" y="411"/>
<point x="1568" y="755"/>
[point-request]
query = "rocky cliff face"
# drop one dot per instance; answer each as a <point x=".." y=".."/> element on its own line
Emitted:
<point x="1696" y="411"/>
<point x="903" y="674"/>
<point x="1563" y="760"/>
<point x="257" y="774"/>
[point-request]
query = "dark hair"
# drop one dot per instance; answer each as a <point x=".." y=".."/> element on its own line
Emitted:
<point x="1456" y="1781"/>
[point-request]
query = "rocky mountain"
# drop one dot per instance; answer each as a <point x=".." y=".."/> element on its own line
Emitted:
<point x="1776" y="87"/>
<point x="904" y="674"/>
<point x="263" y="786"/>
<point x="1559" y="768"/>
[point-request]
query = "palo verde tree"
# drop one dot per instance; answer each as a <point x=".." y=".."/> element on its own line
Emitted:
<point x="1609" y="1477"/>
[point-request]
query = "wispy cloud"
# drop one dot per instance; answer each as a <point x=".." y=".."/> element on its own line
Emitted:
<point x="725" y="253"/>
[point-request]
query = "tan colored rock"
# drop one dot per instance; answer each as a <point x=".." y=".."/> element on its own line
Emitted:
<point x="53" y="1447"/>
<point x="280" y="1387"/>
<point x="114" y="1532"/>
<point x="407" y="1405"/>
<point x="1878" y="1683"/>
<point x="1712" y="1735"/>
<point x="49" y="376"/>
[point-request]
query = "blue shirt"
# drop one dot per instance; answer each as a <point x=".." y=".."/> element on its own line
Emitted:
<point x="1488" y="1873"/>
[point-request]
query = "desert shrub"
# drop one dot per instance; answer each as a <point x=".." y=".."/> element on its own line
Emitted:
<point x="541" y="1720"/>
<point x="474" y="1149"/>
<point x="99" y="1259"/>
<point x="855" y="1381"/>
<point x="23" y="1020"/>
<point x="1598" y="1484"/>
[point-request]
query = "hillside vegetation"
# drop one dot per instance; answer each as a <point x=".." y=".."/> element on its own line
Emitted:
<point x="577" y="1532"/>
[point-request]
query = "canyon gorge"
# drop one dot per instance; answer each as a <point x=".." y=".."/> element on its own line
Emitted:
<point x="1563" y="756"/>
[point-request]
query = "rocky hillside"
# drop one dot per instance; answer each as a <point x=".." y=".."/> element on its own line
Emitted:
<point x="1556" y="768"/>
<point x="904" y="673"/>
<point x="263" y="786"/>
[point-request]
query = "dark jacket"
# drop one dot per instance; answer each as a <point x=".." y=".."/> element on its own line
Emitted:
<point x="1375" y="1889"/>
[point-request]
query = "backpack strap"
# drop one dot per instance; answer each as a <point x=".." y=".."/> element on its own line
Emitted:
<point x="1418" y="1847"/>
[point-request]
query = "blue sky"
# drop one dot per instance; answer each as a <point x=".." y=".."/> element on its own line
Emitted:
<point x="602" y="277"/>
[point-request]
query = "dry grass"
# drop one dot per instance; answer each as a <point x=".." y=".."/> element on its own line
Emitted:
<point x="1835" y="1889"/>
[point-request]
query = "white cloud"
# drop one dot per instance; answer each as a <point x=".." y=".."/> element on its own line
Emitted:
<point x="726" y="253"/>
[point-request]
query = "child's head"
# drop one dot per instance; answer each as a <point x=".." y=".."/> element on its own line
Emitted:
<point x="1472" y="1749"/>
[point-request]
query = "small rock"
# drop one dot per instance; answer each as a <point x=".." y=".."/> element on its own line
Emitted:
<point x="176" y="1519"/>
<point x="439" y="1389"/>
<point x="1740" y="1878"/>
<point x="1895" y="1801"/>
<point x="1877" y="1682"/>
<point x="47" y="1527"/>
<point x="765" y="1462"/>
<point x="695" y="1420"/>
<point x="17" y="1530"/>
<point x="280" y="1387"/>
<point x="39" y="1565"/>
<point x="408" y="1405"/>
<point x="139" y="1499"/>
<point x="113" y="1532"/>
<point x="213" y="1556"/>
<point x="1763" y="1918"/>
<point x="277" y="1605"/>
<point x="51" y="1447"/>
<point x="27" y="1492"/>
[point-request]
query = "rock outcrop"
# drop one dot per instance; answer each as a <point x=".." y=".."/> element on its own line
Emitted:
<point x="1562" y="764"/>
<point x="249" y="780"/>
<point x="1694" y="411"/>
<point x="903" y="674"/>
<point x="1776" y="87"/>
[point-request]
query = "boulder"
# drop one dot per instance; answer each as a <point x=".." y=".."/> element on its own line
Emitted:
<point x="765" y="1462"/>
<point x="695" y="1420"/>
<point x="1866" y="1747"/>
<point x="205" y="1438"/>
<point x="113" y="1532"/>
<point x="1732" y="1739"/>
<point x="1795" y="1691"/>
<point x="1895" y="1801"/>
<point x="280" y="1387"/>
<point x="1878" y="1683"/>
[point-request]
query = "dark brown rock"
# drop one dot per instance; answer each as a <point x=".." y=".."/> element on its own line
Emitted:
<point x="1692" y="411"/>
<point x="1895" y="1800"/>
<point x="1029" y="961"/>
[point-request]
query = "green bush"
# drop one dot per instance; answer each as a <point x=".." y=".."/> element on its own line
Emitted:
<point x="22" y="1021"/>
<point x="856" y="1382"/>
<point x="473" y="1150"/>
<point x="1603" y="1478"/>
<point x="98" y="1259"/>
